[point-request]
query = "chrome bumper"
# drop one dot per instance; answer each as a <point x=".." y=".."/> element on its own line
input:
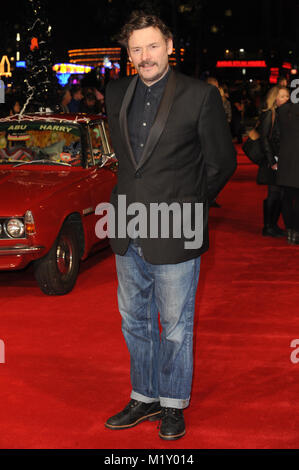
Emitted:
<point x="19" y="249"/>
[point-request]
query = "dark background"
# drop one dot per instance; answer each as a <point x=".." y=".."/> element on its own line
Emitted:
<point x="264" y="28"/>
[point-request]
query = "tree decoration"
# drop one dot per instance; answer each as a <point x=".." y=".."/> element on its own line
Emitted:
<point x="41" y="80"/>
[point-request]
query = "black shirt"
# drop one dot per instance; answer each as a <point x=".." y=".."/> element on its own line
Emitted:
<point x="142" y="112"/>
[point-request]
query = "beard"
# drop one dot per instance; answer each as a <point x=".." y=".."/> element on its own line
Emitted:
<point x="153" y="78"/>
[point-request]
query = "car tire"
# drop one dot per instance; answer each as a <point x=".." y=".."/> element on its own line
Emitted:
<point x="56" y="273"/>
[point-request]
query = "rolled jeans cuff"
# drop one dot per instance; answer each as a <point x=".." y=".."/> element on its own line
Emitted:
<point x="164" y="401"/>
<point x="174" y="403"/>
<point x="143" y="398"/>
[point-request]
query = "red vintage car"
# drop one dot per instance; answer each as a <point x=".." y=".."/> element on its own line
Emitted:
<point x="54" y="170"/>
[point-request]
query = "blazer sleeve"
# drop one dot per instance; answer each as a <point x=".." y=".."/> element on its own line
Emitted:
<point x="265" y="129"/>
<point x="108" y="97"/>
<point x="216" y="142"/>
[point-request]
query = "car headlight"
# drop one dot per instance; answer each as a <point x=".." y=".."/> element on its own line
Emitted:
<point x="0" y="229"/>
<point x="15" y="228"/>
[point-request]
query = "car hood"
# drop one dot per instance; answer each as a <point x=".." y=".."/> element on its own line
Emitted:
<point x="21" y="190"/>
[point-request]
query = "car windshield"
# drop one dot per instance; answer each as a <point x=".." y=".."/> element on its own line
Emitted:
<point x="40" y="141"/>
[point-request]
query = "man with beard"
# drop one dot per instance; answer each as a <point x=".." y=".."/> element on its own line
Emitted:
<point x="173" y="144"/>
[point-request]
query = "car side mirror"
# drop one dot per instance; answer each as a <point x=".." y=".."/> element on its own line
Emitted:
<point x="106" y="159"/>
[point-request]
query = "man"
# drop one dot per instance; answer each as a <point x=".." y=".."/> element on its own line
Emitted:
<point x="77" y="97"/>
<point x="65" y="99"/>
<point x="173" y="144"/>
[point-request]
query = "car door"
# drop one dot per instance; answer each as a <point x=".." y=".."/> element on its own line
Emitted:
<point x="102" y="175"/>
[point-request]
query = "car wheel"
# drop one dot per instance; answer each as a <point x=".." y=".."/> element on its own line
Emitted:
<point x="56" y="273"/>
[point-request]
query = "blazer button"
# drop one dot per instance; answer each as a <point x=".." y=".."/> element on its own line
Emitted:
<point x="138" y="174"/>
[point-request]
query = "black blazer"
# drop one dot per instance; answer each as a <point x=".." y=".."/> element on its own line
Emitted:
<point x="269" y="133"/>
<point x="269" y="137"/>
<point x="188" y="157"/>
<point x="288" y="162"/>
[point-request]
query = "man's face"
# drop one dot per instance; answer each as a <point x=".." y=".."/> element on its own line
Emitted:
<point x="149" y="51"/>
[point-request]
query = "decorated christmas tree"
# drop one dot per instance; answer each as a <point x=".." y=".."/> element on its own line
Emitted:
<point x="41" y="80"/>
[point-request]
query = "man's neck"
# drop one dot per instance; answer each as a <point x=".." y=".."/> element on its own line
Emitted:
<point x="156" y="81"/>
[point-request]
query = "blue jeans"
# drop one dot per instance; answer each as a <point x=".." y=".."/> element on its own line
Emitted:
<point x="161" y="365"/>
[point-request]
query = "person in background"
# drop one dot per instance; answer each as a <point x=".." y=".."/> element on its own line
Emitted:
<point x="65" y="99"/>
<point x="227" y="109"/>
<point x="288" y="167"/>
<point x="15" y="106"/>
<point x="213" y="81"/>
<point x="238" y="109"/>
<point x="224" y="95"/>
<point x="268" y="129"/>
<point x="282" y="82"/>
<point x="77" y="97"/>
<point x="101" y="100"/>
<point x="226" y="105"/>
<point x="90" y="104"/>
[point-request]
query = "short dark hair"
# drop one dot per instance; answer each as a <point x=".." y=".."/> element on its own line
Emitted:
<point x="75" y="89"/>
<point x="140" y="20"/>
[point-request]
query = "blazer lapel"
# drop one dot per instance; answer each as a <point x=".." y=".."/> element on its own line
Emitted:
<point x="123" y="119"/>
<point x="160" y="120"/>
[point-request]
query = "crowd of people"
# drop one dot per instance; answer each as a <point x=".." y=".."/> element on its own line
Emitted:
<point x="242" y="101"/>
<point x="68" y="99"/>
<point x="278" y="130"/>
<point x="276" y="122"/>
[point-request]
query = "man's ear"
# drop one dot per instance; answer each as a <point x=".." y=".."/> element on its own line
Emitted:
<point x="129" y="57"/>
<point x="169" y="46"/>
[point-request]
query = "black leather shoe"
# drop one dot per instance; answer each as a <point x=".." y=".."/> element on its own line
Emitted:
<point x="270" y="231"/>
<point x="172" y="424"/>
<point x="280" y="231"/>
<point x="294" y="238"/>
<point x="290" y="236"/>
<point x="134" y="413"/>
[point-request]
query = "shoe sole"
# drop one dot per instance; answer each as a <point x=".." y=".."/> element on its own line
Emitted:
<point x="152" y="417"/>
<point x="172" y="437"/>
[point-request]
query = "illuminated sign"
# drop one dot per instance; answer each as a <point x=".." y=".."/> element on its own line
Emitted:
<point x="274" y="73"/>
<point x="71" y="68"/>
<point x="107" y="63"/>
<point x="5" y="67"/>
<point x="21" y="64"/>
<point x="287" y="65"/>
<point x="64" y="71"/>
<point x="241" y="63"/>
<point x="98" y="55"/>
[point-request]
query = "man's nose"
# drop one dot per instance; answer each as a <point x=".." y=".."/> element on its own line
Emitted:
<point x="145" y="54"/>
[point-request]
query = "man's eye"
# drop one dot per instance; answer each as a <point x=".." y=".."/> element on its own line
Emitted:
<point x="136" y="50"/>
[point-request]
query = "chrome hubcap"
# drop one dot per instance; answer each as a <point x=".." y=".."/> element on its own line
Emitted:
<point x="64" y="256"/>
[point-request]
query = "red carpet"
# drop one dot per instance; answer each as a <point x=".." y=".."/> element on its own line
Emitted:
<point x="67" y="367"/>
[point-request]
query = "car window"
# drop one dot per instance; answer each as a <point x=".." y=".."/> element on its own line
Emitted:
<point x="97" y="144"/>
<point x="107" y="132"/>
<point x="47" y="141"/>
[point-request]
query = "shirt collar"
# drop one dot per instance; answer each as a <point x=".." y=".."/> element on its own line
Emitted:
<point x="156" y="87"/>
